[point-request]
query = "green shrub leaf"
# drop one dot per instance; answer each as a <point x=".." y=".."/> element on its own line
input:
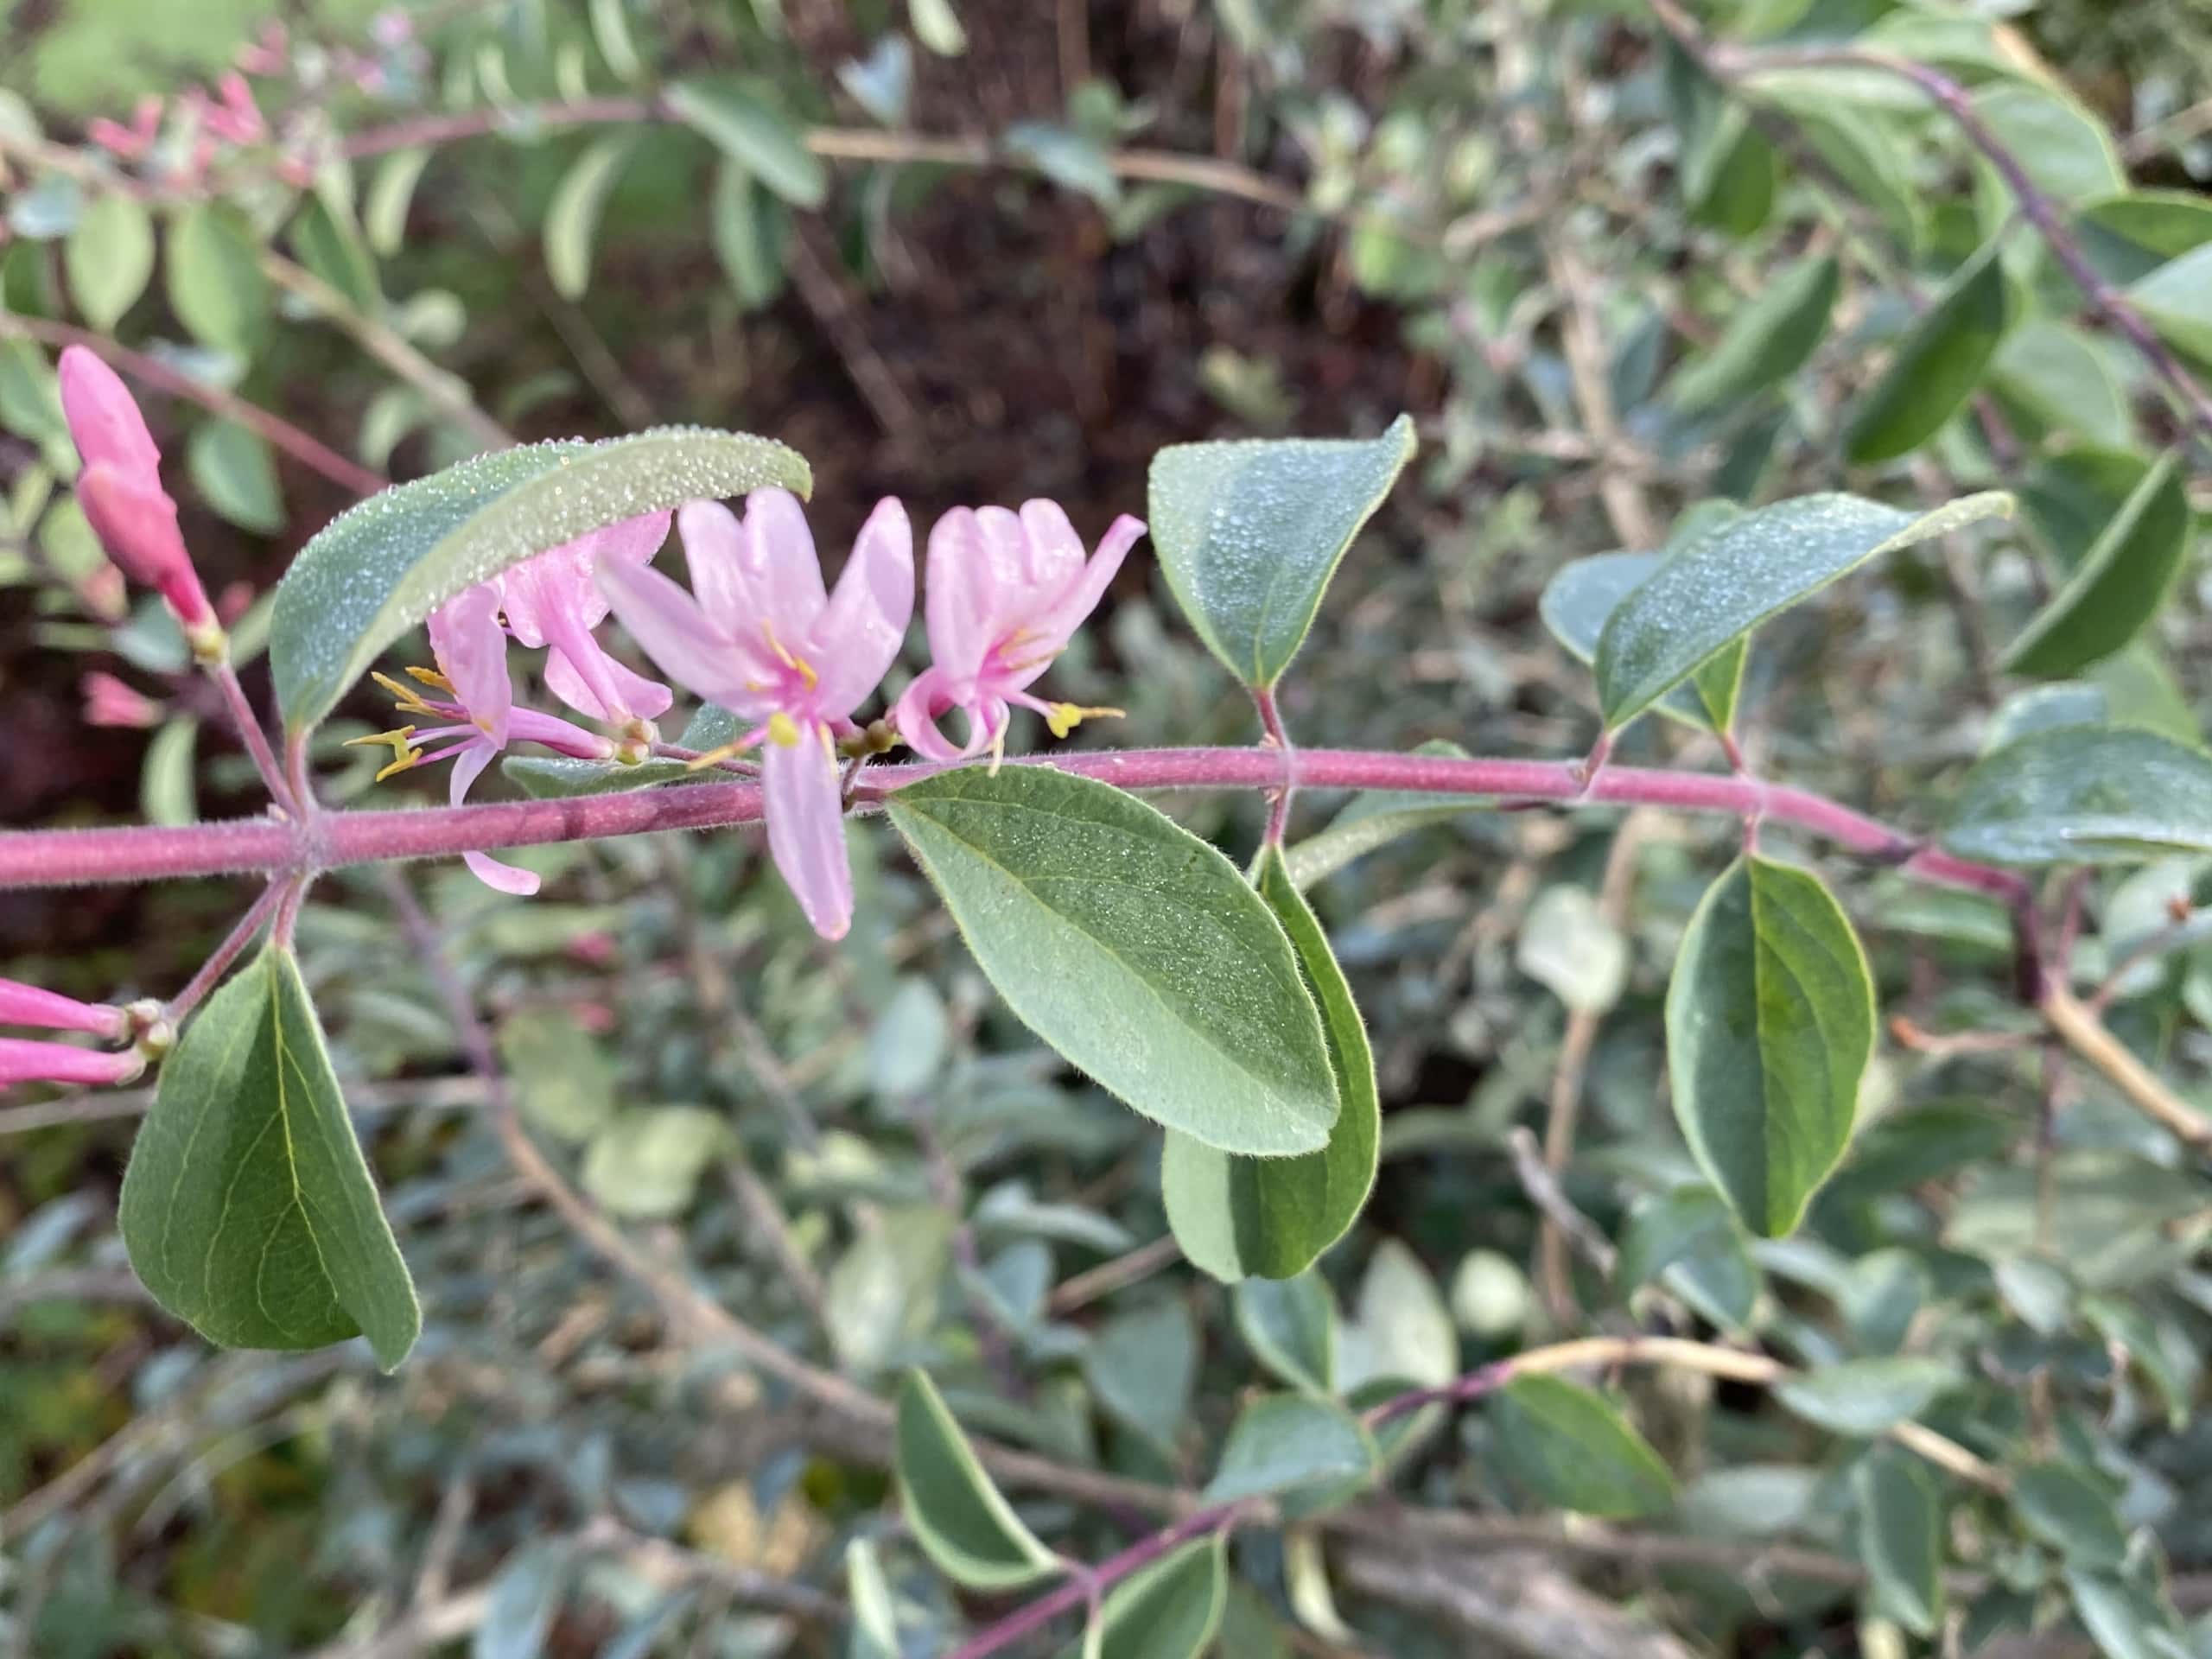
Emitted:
<point x="572" y="220"/>
<point x="1900" y="1537"/>
<point x="1773" y="336"/>
<point x="1273" y="1216"/>
<point x="1289" y="1440"/>
<point x="1249" y="533"/>
<point x="2084" y="795"/>
<point x="1936" y="366"/>
<point x="216" y="285"/>
<point x="377" y="571"/>
<point x="235" y="472"/>
<point x="961" y="1520"/>
<point x="1725" y="583"/>
<point x="248" y="1209"/>
<point x="1171" y="1610"/>
<point x="1770" y="1026"/>
<point x="2119" y="586"/>
<point x="1866" y="1397"/>
<point x="1290" y="1325"/>
<point x="1133" y="948"/>
<point x="1567" y="1445"/>
<point x="108" y="258"/>
<point x="749" y="132"/>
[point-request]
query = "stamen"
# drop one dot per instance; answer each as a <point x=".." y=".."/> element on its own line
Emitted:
<point x="798" y="665"/>
<point x="1065" y="717"/>
<point x="782" y="730"/>
<point x="432" y="678"/>
<point x="409" y="699"/>
<point x="404" y="753"/>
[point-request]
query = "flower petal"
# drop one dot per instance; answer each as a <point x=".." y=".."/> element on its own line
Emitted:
<point x="558" y="582"/>
<point x="24" y="1061"/>
<point x="1056" y="552"/>
<point x="978" y="588"/>
<point x="104" y="419"/>
<point x="865" y="623"/>
<point x="468" y="765"/>
<point x="1060" y="619"/>
<point x="781" y="567"/>
<point x="801" y="798"/>
<point x="33" y="1005"/>
<point x="472" y="652"/>
<point x="676" y="634"/>
<point x="585" y="682"/>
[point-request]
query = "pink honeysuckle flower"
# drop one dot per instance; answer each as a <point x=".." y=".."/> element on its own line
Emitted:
<point x="1005" y="592"/>
<point x="480" y="720"/>
<point x="30" y="1005"/>
<point x="128" y="144"/>
<point x="551" y="600"/>
<point x="267" y="56"/>
<point x="764" y="638"/>
<point x="120" y="490"/>
<point x="110" y="701"/>
<point x="23" y="1061"/>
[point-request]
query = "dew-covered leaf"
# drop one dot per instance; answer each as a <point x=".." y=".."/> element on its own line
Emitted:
<point x="377" y="570"/>
<point x="2084" y="795"/>
<point x="1133" y="948"/>
<point x="1249" y="533"/>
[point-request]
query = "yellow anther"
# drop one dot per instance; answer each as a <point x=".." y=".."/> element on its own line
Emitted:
<point x="715" y="756"/>
<point x="1067" y="716"/>
<point x="782" y="730"/>
<point x="403" y="752"/>
<point x="431" y="677"/>
<point x="410" y="700"/>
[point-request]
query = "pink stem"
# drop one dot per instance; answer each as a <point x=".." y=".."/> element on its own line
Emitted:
<point x="212" y="971"/>
<point x="252" y="734"/>
<point x="146" y="853"/>
<point x="1278" y="799"/>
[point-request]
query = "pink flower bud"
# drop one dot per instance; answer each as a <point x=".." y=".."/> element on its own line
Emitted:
<point x="29" y="1062"/>
<point x="29" y="1004"/>
<point x="104" y="418"/>
<point x="109" y="701"/>
<point x="138" y="528"/>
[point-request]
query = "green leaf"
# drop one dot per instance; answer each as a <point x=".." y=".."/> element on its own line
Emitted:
<point x="1068" y="158"/>
<point x="2129" y="236"/>
<point x="2176" y="300"/>
<point x="2070" y="498"/>
<point x="1770" y="1026"/>
<point x="248" y="1209"/>
<point x="2118" y="587"/>
<point x="1403" y="1331"/>
<point x="751" y="134"/>
<point x="1900" y="1537"/>
<point x="216" y="284"/>
<point x="560" y="1078"/>
<point x="1567" y="1446"/>
<point x="167" y="782"/>
<point x="1249" y="533"/>
<point x="377" y="571"/>
<point x="108" y="258"/>
<point x="2051" y="376"/>
<point x="1936" y="366"/>
<point x="2084" y="795"/>
<point x="329" y="244"/>
<point x="961" y="1520"/>
<point x="1691" y="1237"/>
<point x="1273" y="1216"/>
<point x="1864" y="1397"/>
<point x="1141" y="1366"/>
<point x="1289" y="1440"/>
<point x="572" y="220"/>
<point x="1768" y="340"/>
<point x="523" y="1600"/>
<point x="1585" y="592"/>
<point x="749" y="227"/>
<point x="647" y="1162"/>
<point x="2072" y="1513"/>
<point x="31" y="396"/>
<point x="2127" y="1620"/>
<point x="1290" y="1325"/>
<point x="392" y="193"/>
<point x="1725" y="583"/>
<point x="610" y="32"/>
<point x="1170" y="1610"/>
<point x="1133" y="948"/>
<point x="233" y="469"/>
<point x="875" y="1612"/>
<point x="2066" y="150"/>
<point x="1376" y="818"/>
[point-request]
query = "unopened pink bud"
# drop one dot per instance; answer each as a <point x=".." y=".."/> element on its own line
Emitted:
<point x="138" y="528"/>
<point x="115" y="139"/>
<point x="110" y="702"/>
<point x="104" y="419"/>
<point x="30" y="1062"/>
<point x="30" y="1005"/>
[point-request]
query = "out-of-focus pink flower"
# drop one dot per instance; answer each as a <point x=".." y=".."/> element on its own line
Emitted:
<point x="1005" y="592"/>
<point x="110" y="701"/>
<point x="234" y="602"/>
<point x="268" y="55"/>
<point x="552" y="601"/>
<point x="120" y="488"/>
<point x="764" y="638"/>
<point x="128" y="144"/>
<point x="236" y="118"/>
<point x="31" y="1005"/>
<point x="23" y="1061"/>
<point x="392" y="29"/>
<point x="594" y="950"/>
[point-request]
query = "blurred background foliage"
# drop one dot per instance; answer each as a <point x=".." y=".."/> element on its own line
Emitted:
<point x="1028" y="245"/>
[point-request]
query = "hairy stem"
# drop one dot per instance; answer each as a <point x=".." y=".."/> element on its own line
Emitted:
<point x="212" y="971"/>
<point x="251" y="734"/>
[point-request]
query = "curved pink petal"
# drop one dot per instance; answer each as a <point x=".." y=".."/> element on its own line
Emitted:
<point x="860" y="633"/>
<point x="978" y="587"/>
<point x="558" y="582"/>
<point x="104" y="419"/>
<point x="781" y="567"/>
<point x="472" y="652"/>
<point x="468" y="765"/>
<point x="24" y="1061"/>
<point x="674" y="632"/>
<point x="1056" y="552"/>
<point x="924" y="700"/>
<point x="1057" y="621"/>
<point x="588" y="693"/>
<point x="802" y="801"/>
<point x="33" y="1005"/>
<point x="136" y="522"/>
